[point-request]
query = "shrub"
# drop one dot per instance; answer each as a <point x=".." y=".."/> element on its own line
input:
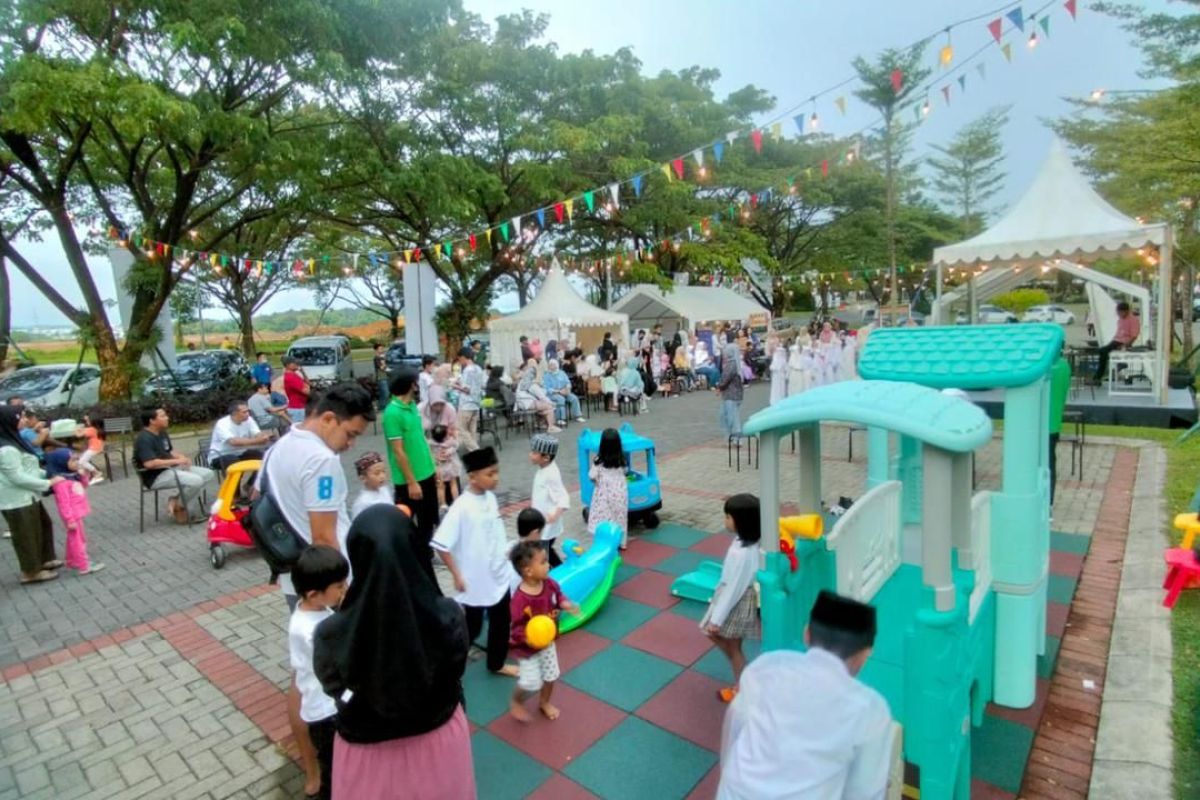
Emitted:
<point x="1018" y="301"/>
<point x="202" y="407"/>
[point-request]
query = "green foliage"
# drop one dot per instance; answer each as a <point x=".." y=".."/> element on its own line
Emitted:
<point x="1018" y="301"/>
<point x="968" y="174"/>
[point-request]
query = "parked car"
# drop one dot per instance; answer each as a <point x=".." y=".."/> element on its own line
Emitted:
<point x="324" y="359"/>
<point x="989" y="314"/>
<point x="1049" y="314"/>
<point x="200" y="371"/>
<point x="52" y="385"/>
<point x="397" y="356"/>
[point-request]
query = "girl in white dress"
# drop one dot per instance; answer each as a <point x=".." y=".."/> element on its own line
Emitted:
<point x="779" y="369"/>
<point x="795" y="370"/>
<point x="733" y="611"/>
<point x="849" y="370"/>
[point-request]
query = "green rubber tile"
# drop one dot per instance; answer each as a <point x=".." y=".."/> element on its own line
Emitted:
<point x="690" y="609"/>
<point x="487" y="695"/>
<point x="1070" y="542"/>
<point x="503" y="772"/>
<point x="682" y="562"/>
<point x="999" y="750"/>
<point x="624" y="572"/>
<point x="640" y="761"/>
<point x="674" y="535"/>
<point x="623" y="677"/>
<point x="714" y="664"/>
<point x="1060" y="589"/>
<point x="1046" y="663"/>
<point x="618" y="617"/>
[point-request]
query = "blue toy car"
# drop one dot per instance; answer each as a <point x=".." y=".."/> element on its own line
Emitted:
<point x="645" y="493"/>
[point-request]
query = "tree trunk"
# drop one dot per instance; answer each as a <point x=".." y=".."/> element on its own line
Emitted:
<point x="394" y="319"/>
<point x="115" y="382"/>
<point x="5" y="311"/>
<point x="246" y="324"/>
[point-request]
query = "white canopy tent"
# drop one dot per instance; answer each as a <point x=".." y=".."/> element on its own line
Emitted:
<point x="647" y="304"/>
<point x="1062" y="220"/>
<point x="558" y="312"/>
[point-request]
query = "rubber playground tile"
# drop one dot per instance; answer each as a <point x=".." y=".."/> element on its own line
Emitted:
<point x="624" y="572"/>
<point x="999" y="751"/>
<point x="690" y="609"/>
<point x="683" y="562"/>
<point x="1060" y="589"/>
<point x="715" y="665"/>
<point x="502" y="772"/>
<point x="578" y="646"/>
<point x="640" y="761"/>
<point x="715" y="547"/>
<point x="1029" y="717"/>
<point x="583" y="720"/>
<point x="675" y="535"/>
<point x="1070" y="542"/>
<point x="982" y="790"/>
<point x="689" y="707"/>
<point x="706" y="789"/>
<point x="672" y="637"/>
<point x="1056" y="618"/>
<point x="1068" y="564"/>
<point x="646" y="554"/>
<point x="1047" y="662"/>
<point x="622" y="676"/>
<point x="618" y="616"/>
<point x="650" y="587"/>
<point x="560" y="787"/>
<point x="486" y="695"/>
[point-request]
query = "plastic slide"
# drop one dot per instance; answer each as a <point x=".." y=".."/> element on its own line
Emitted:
<point x="586" y="576"/>
<point x="700" y="584"/>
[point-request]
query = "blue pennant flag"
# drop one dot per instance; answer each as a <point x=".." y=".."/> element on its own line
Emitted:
<point x="541" y="215"/>
<point x="637" y="185"/>
<point x="371" y="258"/>
<point x="799" y="120"/>
<point x="1017" y="17"/>
<point x="718" y="150"/>
<point x="962" y="82"/>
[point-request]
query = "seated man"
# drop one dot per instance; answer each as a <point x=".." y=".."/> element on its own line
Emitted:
<point x="163" y="467"/>
<point x="1128" y="328"/>
<point x="558" y="386"/>
<point x="236" y="437"/>
<point x="828" y="735"/>
<point x="268" y="415"/>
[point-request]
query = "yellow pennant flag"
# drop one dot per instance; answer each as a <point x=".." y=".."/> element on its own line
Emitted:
<point x="212" y="259"/>
<point x="777" y="131"/>
<point x="666" y="170"/>
<point x="437" y="251"/>
<point x="489" y="235"/>
<point x="840" y="102"/>
<point x="312" y="266"/>
<point x="570" y="204"/>
<point x="408" y="256"/>
<point x="1006" y="48"/>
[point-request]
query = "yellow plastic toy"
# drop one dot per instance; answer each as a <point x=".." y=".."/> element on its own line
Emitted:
<point x="800" y="526"/>
<point x="1190" y="525"/>
<point x="540" y="631"/>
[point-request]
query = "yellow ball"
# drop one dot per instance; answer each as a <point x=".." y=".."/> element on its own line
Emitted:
<point x="540" y="631"/>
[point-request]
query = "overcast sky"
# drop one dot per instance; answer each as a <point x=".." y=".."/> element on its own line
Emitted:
<point x="794" y="50"/>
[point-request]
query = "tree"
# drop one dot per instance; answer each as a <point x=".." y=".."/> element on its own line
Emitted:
<point x="968" y="174"/>
<point x="880" y="92"/>
<point x="186" y="303"/>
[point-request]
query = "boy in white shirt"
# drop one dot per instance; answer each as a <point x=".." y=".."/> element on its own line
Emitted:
<point x="319" y="577"/>
<point x="473" y="545"/>
<point x="377" y="483"/>
<point x="549" y="494"/>
<point x="828" y="740"/>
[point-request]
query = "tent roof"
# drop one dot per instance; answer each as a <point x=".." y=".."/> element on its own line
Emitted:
<point x="1060" y="215"/>
<point x="694" y="303"/>
<point x="558" y="301"/>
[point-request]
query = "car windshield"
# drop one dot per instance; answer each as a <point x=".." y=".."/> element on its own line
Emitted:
<point x="196" y="367"/>
<point x="33" y="381"/>
<point x="314" y="356"/>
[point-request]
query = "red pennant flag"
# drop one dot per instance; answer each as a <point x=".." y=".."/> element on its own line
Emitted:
<point x="756" y="140"/>
<point x="558" y="212"/>
<point x="946" y="94"/>
<point x="995" y="25"/>
<point x="754" y="200"/>
<point x="1070" y="7"/>
<point x="825" y="168"/>
<point x="897" y="80"/>
<point x="677" y="165"/>
<point x="158" y="248"/>
<point x="417" y="254"/>
<point x="249" y="264"/>
<point x="471" y="239"/>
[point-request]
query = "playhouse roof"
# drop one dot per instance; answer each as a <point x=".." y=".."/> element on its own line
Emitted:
<point x="941" y="420"/>
<point x="962" y="356"/>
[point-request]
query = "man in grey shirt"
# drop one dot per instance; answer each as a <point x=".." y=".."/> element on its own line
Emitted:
<point x="268" y="417"/>
<point x="470" y="394"/>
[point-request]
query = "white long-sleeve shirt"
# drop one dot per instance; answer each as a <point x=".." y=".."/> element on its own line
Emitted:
<point x="803" y="728"/>
<point x="741" y="564"/>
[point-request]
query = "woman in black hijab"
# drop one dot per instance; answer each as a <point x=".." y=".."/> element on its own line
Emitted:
<point x="22" y="484"/>
<point x="393" y="659"/>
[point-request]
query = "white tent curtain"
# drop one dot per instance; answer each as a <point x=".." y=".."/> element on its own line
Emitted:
<point x="683" y="307"/>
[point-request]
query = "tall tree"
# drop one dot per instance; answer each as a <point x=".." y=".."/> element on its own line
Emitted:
<point x="888" y="83"/>
<point x="968" y="174"/>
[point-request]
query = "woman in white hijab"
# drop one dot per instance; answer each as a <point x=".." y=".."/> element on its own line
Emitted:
<point x="779" y="369"/>
<point x="795" y="368"/>
<point x="849" y="370"/>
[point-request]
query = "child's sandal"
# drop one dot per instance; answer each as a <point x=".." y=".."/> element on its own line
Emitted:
<point x="727" y="694"/>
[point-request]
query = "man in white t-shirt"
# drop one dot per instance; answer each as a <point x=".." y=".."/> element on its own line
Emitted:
<point x="236" y="437"/>
<point x="827" y="737"/>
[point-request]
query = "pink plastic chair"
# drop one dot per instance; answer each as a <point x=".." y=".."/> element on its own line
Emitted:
<point x="1183" y="572"/>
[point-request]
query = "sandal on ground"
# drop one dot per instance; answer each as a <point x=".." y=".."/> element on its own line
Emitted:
<point x="727" y="694"/>
<point x="91" y="569"/>
<point x="55" y="564"/>
<point x="41" y="577"/>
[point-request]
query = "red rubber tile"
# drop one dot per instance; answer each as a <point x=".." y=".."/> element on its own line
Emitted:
<point x="706" y="789"/>
<point x="688" y="707"/>
<point x="715" y="546"/>
<point x="649" y="587"/>
<point x="583" y="721"/>
<point x="646" y="554"/>
<point x="982" y="790"/>
<point x="560" y="788"/>
<point x="1056" y="618"/>
<point x="672" y="637"/>
<point x="576" y="647"/>
<point x="1029" y="717"/>
<point x="1068" y="564"/>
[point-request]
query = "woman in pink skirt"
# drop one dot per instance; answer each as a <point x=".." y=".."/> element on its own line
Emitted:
<point x="393" y="659"/>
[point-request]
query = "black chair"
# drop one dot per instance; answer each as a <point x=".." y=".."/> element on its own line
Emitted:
<point x="632" y="405"/>
<point x="489" y="422"/>
<point x="735" y="444"/>
<point x="143" y="490"/>
<point x="1078" y="439"/>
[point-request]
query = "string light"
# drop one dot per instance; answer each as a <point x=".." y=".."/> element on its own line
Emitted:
<point x="1033" y="37"/>
<point x="814" y="122"/>
<point x="926" y="108"/>
<point x="947" y="53"/>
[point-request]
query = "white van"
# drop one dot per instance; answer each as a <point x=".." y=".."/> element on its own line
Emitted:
<point x="324" y="359"/>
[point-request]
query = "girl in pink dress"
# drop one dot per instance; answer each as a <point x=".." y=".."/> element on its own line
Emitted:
<point x="610" y="493"/>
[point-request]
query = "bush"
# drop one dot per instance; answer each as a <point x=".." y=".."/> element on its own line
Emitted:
<point x="202" y="408"/>
<point x="1018" y="301"/>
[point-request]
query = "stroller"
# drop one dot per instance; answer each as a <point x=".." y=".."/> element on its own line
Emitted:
<point x="232" y="504"/>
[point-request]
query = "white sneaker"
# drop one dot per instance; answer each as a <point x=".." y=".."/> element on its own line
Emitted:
<point x="581" y="419"/>
<point x="554" y="429"/>
<point x="97" y="479"/>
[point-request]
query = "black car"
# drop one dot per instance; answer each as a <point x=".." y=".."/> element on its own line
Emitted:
<point x="397" y="356"/>
<point x="200" y="371"/>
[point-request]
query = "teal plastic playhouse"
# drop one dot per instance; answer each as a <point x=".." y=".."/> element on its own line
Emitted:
<point x="958" y="577"/>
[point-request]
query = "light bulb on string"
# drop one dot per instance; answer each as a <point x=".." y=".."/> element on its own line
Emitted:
<point x="947" y="53"/>
<point x="926" y="107"/>
<point x="814" y="121"/>
<point x="1033" y="37"/>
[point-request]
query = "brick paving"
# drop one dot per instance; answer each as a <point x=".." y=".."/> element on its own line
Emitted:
<point x="163" y="677"/>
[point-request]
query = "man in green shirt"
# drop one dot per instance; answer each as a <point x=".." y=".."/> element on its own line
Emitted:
<point x="411" y="461"/>
<point x="1060" y="384"/>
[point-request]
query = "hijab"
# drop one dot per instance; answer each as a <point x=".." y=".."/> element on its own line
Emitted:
<point x="528" y="375"/>
<point x="445" y="417"/>
<point x="397" y="647"/>
<point x="10" y="429"/>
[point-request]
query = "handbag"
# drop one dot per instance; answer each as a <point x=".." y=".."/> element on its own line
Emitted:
<point x="275" y="538"/>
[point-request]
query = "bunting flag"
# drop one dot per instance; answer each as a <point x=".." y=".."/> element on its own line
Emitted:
<point x="489" y="236"/>
<point x="756" y="140"/>
<point x="437" y="252"/>
<point x="558" y="212"/>
<point x="1017" y="18"/>
<point x="897" y="80"/>
<point x="677" y="165"/>
<point x="840" y="102"/>
<point x="516" y="227"/>
<point x="471" y="240"/>
<point x="799" y="120"/>
<point x="718" y="153"/>
<point x="946" y="93"/>
<point x="637" y="185"/>
<point x="541" y="215"/>
<point x="825" y="168"/>
<point x="416" y="254"/>
<point x="995" y="27"/>
<point x="1006" y="48"/>
<point x="1070" y="7"/>
<point x="981" y="68"/>
<point x="666" y="170"/>
<point x="614" y="191"/>
<point x="504" y="234"/>
<point x="1044" y="24"/>
<point x="731" y="137"/>
<point x="570" y="205"/>
<point x="698" y="157"/>
<point x="777" y="131"/>
<point x="962" y="82"/>
<point x="589" y="200"/>
<point x="448" y="249"/>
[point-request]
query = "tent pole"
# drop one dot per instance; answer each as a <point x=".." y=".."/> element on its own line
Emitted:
<point x="937" y="297"/>
<point x="1166" y="314"/>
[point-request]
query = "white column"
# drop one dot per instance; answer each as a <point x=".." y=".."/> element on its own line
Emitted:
<point x="936" y="522"/>
<point x="1166" y="314"/>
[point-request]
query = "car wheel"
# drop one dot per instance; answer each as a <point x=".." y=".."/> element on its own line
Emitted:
<point x="650" y="520"/>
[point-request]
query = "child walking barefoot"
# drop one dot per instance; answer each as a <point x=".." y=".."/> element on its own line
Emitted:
<point x="732" y="615"/>
<point x="538" y="594"/>
<point x="610" y="495"/>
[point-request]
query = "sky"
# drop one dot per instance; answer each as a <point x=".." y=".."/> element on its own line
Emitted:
<point x="794" y="50"/>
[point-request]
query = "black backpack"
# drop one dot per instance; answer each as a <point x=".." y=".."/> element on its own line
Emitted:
<point x="274" y="537"/>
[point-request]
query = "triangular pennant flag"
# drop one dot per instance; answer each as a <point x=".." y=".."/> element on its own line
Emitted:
<point x="897" y="80"/>
<point x="825" y="168"/>
<point x="471" y="241"/>
<point x="777" y="131"/>
<point x="504" y="231"/>
<point x="516" y="225"/>
<point x="1006" y="48"/>
<point x="448" y="249"/>
<point x="981" y="68"/>
<point x="570" y="206"/>
<point x="312" y="266"/>
<point x="1044" y="22"/>
<point x="946" y="93"/>
<point x="416" y="254"/>
<point x="756" y="140"/>
<point x="1070" y="7"/>
<point x="212" y="260"/>
<point x="589" y="200"/>
<point x="754" y="200"/>
<point x="799" y="120"/>
<point x="614" y="191"/>
<point x="541" y="215"/>
<point x="1017" y="17"/>
<point x="437" y="252"/>
<point x="666" y="170"/>
<point x="698" y="157"/>
<point x="840" y="102"/>
<point x="731" y="137"/>
<point x="962" y="82"/>
<point x="558" y="212"/>
<point x="996" y="27"/>
<point x="718" y="151"/>
<point x="637" y="185"/>
<point x="677" y="165"/>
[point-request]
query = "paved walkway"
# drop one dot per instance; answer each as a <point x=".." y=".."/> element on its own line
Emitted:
<point x="163" y="677"/>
